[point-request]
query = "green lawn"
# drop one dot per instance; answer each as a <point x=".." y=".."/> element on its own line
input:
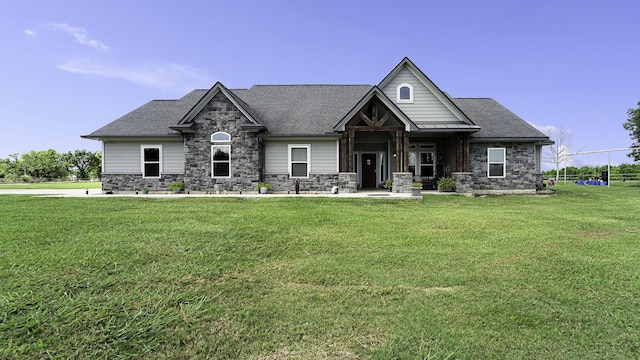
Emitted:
<point x="513" y="277"/>
<point x="54" y="185"/>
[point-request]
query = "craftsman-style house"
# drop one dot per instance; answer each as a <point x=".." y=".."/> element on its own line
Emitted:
<point x="321" y="136"/>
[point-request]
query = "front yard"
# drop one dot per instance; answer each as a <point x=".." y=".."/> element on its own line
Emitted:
<point x="316" y="278"/>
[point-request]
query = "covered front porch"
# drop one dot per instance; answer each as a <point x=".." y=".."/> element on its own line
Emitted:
<point x="377" y="144"/>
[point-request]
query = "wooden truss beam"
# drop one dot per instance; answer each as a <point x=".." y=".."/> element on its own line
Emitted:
<point x="366" y="119"/>
<point x="375" y="128"/>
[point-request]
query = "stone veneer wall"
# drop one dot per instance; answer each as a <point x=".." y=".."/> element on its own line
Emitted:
<point x="348" y="182"/>
<point x="402" y="182"/>
<point x="221" y="115"/>
<point x="464" y="182"/>
<point x="521" y="176"/>
<point x="314" y="183"/>
<point x="135" y="182"/>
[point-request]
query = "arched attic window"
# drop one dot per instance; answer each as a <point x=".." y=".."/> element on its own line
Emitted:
<point x="220" y="155"/>
<point x="220" y="136"/>
<point x="404" y="93"/>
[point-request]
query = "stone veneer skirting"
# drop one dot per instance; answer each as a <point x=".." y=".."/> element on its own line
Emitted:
<point x="314" y="183"/>
<point x="135" y="182"/>
<point x="118" y="183"/>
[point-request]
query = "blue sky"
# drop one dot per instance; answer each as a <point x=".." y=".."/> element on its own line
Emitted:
<point x="70" y="67"/>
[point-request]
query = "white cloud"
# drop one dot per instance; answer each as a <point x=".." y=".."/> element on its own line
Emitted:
<point x="160" y="75"/>
<point x="80" y="35"/>
<point x="550" y="130"/>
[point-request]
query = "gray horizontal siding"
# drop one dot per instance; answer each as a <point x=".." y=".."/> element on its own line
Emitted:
<point x="173" y="157"/>
<point x="123" y="157"/>
<point x="324" y="156"/>
<point x="426" y="107"/>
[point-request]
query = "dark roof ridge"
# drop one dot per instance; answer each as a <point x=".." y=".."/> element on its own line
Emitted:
<point x="465" y="97"/>
<point x="307" y="85"/>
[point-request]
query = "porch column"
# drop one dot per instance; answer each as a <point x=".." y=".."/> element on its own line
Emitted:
<point x="399" y="153"/>
<point x="405" y="153"/>
<point x="465" y="146"/>
<point x="462" y="152"/>
<point x="352" y="144"/>
<point x="343" y="153"/>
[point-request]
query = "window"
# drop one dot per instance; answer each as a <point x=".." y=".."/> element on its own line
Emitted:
<point x="427" y="165"/>
<point x="405" y="93"/>
<point x="221" y="155"/>
<point x="151" y="156"/>
<point x="299" y="162"/>
<point x="496" y="161"/>
<point x="422" y="160"/>
<point x="220" y="136"/>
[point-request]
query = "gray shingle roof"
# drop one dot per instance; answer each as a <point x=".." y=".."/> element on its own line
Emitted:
<point x="496" y="121"/>
<point x="301" y="109"/>
<point x="151" y="119"/>
<point x="305" y="110"/>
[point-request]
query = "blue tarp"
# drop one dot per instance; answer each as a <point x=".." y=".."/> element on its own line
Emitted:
<point x="591" y="182"/>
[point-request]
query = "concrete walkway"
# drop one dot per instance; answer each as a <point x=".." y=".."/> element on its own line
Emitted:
<point x="97" y="193"/>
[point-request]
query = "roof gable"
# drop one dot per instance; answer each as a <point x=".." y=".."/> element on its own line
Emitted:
<point x="215" y="89"/>
<point x="377" y="93"/>
<point x="430" y="104"/>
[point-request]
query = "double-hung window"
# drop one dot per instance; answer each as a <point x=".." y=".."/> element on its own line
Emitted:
<point x="220" y="155"/>
<point x="496" y="162"/>
<point x="299" y="161"/>
<point x="151" y="159"/>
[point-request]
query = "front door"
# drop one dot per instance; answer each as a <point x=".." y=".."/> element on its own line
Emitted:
<point x="369" y="171"/>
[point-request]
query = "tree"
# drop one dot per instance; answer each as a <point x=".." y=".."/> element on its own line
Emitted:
<point x="47" y="165"/>
<point x="633" y="126"/>
<point x="95" y="169"/>
<point x="83" y="162"/>
<point x="558" y="153"/>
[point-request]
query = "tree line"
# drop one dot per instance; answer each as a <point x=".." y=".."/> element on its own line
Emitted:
<point x="49" y="165"/>
<point x="620" y="172"/>
<point x="559" y="153"/>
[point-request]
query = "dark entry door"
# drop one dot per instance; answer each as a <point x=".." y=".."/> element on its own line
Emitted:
<point x="369" y="171"/>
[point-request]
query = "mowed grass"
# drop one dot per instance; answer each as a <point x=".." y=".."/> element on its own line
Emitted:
<point x="322" y="278"/>
<point x="53" y="185"/>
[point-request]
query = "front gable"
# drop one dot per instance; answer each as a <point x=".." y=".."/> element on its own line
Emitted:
<point x="375" y="94"/>
<point x="185" y="124"/>
<point x="425" y="104"/>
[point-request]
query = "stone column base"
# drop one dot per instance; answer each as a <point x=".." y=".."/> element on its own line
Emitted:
<point x="464" y="182"/>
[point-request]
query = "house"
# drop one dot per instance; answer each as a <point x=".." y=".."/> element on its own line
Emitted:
<point x="320" y="136"/>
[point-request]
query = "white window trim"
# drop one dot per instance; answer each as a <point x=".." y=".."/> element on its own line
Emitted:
<point x="220" y="132"/>
<point x="226" y="161"/>
<point x="418" y="149"/>
<point x="142" y="162"/>
<point x="220" y="143"/>
<point x="504" y="164"/>
<point x="410" y="99"/>
<point x="297" y="146"/>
